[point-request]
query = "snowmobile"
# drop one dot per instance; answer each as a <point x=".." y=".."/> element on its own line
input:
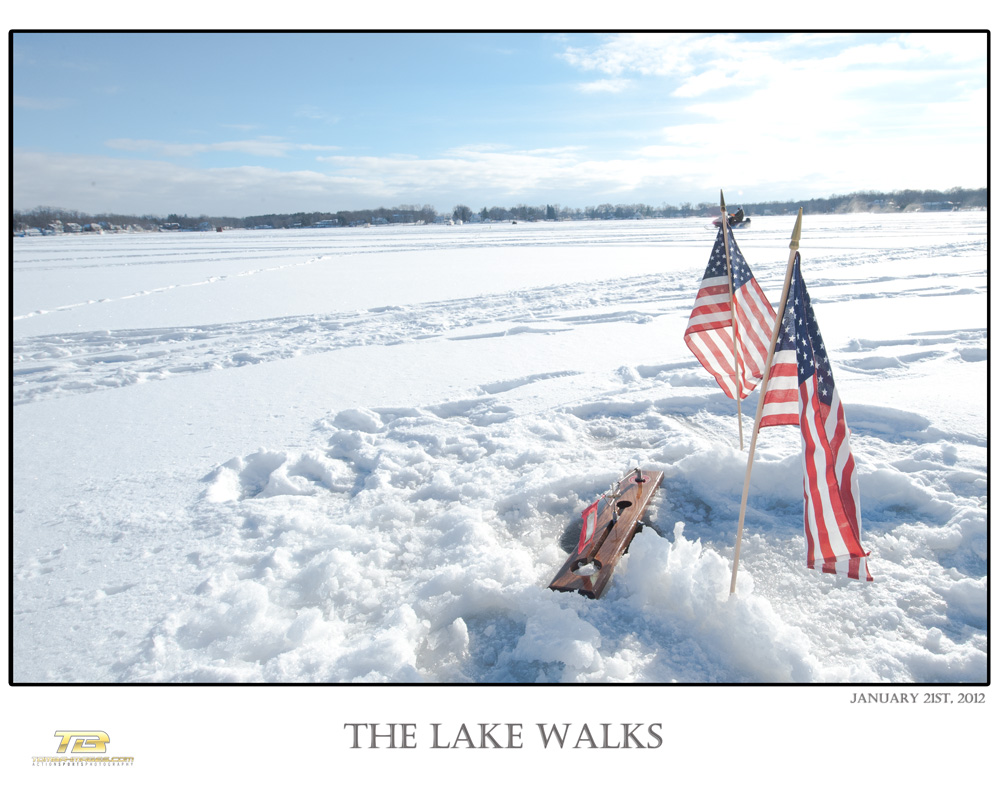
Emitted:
<point x="737" y="220"/>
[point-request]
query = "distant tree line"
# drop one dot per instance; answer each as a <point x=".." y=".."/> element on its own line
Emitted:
<point x="342" y="219"/>
<point x="909" y="199"/>
<point x="44" y="216"/>
<point x="906" y="200"/>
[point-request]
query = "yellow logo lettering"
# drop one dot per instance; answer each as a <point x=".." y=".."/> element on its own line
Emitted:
<point x="83" y="741"/>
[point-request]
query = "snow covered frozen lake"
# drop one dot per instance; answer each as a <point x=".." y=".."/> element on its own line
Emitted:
<point x="359" y="455"/>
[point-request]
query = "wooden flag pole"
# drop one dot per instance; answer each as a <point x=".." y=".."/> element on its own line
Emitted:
<point x="793" y="245"/>
<point x="732" y="311"/>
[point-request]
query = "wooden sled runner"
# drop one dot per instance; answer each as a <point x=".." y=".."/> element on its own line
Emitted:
<point x="608" y="527"/>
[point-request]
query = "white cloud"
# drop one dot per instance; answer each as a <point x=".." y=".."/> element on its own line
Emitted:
<point x="266" y="147"/>
<point x="712" y="80"/>
<point x="475" y="169"/>
<point x="647" y="53"/>
<point x="956" y="47"/>
<point x="700" y="63"/>
<point x="472" y="175"/>
<point x="97" y="184"/>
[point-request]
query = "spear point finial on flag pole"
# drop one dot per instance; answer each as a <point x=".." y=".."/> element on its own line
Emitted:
<point x="722" y="201"/>
<point x="796" y="233"/>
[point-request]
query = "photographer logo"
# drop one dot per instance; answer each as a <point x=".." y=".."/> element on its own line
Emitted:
<point x="82" y="749"/>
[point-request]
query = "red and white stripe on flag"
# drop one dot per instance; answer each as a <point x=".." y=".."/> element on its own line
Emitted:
<point x="832" y="503"/>
<point x="781" y="396"/>
<point x="589" y="526"/>
<point x="709" y="334"/>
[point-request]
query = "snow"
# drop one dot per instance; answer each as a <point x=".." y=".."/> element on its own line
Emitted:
<point x="359" y="455"/>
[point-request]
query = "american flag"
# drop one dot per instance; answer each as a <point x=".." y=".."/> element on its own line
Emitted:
<point x="800" y="391"/>
<point x="589" y="526"/>
<point x="709" y="332"/>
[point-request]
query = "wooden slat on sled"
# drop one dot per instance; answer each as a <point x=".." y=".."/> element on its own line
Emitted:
<point x="608" y="528"/>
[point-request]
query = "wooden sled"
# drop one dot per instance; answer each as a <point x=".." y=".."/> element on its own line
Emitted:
<point x="608" y="527"/>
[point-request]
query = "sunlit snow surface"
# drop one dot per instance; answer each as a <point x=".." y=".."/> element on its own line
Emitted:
<point x="358" y="455"/>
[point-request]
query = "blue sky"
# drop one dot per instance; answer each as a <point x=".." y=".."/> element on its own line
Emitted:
<point x="247" y="123"/>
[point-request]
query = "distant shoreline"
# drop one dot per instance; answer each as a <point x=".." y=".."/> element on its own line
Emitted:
<point x="59" y="220"/>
